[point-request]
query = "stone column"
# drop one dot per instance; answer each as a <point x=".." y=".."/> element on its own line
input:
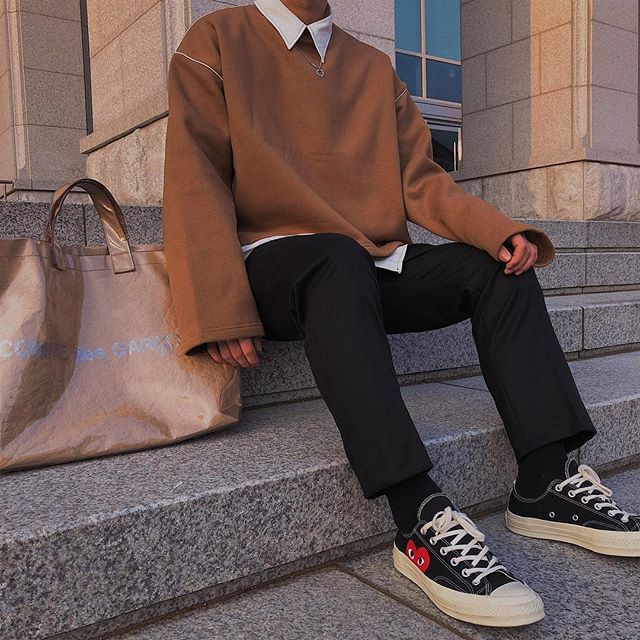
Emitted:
<point x="550" y="107"/>
<point x="42" y="106"/>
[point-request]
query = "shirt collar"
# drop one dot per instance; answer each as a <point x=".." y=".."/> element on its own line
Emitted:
<point x="290" y="27"/>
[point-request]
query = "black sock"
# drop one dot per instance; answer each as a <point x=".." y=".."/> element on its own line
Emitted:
<point x="405" y="498"/>
<point x="538" y="468"/>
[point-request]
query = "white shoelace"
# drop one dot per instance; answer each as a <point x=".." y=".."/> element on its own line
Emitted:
<point x="456" y="525"/>
<point x="587" y="481"/>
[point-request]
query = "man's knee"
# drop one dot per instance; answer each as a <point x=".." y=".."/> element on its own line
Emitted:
<point x="342" y="255"/>
<point x="486" y="268"/>
<point x="342" y="274"/>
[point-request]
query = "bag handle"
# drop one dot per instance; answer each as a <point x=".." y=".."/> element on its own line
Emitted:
<point x="113" y="224"/>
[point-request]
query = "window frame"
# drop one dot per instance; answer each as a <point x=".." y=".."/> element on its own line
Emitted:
<point x="439" y="114"/>
<point x="424" y="56"/>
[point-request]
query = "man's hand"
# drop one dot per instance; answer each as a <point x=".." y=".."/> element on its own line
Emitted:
<point x="525" y="254"/>
<point x="242" y="352"/>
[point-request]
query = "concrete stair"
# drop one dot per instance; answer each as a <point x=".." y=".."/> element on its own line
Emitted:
<point x="586" y="596"/>
<point x="89" y="548"/>
<point x="127" y="538"/>
<point x="586" y="324"/>
<point x="592" y="255"/>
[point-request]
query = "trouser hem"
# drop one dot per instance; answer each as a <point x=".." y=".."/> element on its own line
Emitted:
<point x="572" y="441"/>
<point x="375" y="489"/>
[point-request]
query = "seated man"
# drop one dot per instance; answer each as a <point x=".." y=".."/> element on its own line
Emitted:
<point x="294" y="158"/>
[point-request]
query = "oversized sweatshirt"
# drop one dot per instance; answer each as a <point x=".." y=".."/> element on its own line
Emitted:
<point x="258" y="145"/>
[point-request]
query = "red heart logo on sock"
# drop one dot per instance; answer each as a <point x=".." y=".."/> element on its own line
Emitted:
<point x="418" y="555"/>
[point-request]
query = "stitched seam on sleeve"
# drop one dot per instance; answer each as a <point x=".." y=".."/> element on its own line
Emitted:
<point x="400" y="96"/>
<point x="202" y="63"/>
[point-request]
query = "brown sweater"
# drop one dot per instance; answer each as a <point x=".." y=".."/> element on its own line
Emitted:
<point x="258" y="145"/>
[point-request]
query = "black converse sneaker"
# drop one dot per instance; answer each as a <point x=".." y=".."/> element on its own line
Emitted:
<point x="577" y="509"/>
<point x="445" y="556"/>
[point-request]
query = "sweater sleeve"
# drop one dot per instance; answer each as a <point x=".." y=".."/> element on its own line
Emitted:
<point x="198" y="212"/>
<point x="434" y="201"/>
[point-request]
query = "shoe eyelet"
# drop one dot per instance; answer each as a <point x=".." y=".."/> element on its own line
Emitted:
<point x="443" y="552"/>
<point x="572" y="493"/>
<point x="611" y="513"/>
<point x="552" y="514"/>
<point x="583" y="500"/>
<point x="432" y="541"/>
<point x="453" y="562"/>
<point x="465" y="573"/>
<point x="597" y="507"/>
<point x="574" y="518"/>
<point x="474" y="582"/>
<point x="558" y="488"/>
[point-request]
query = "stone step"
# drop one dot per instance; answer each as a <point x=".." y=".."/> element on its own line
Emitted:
<point x="121" y="539"/>
<point x="584" y="323"/>
<point x="365" y="597"/>
<point x="592" y="255"/>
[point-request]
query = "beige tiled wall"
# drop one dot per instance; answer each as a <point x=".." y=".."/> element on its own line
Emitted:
<point x="615" y="81"/>
<point x="517" y="68"/>
<point x="7" y="146"/>
<point x="550" y="90"/>
<point x="42" y="110"/>
<point x="127" y="60"/>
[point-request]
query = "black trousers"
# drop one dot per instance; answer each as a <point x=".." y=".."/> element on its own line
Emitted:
<point x="325" y="289"/>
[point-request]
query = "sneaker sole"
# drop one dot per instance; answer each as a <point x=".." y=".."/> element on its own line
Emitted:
<point x="514" y="611"/>
<point x="610" y="543"/>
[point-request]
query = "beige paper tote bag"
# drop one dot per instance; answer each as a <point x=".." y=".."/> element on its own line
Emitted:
<point x="88" y="365"/>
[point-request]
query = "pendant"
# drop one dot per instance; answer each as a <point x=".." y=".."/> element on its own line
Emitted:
<point x="320" y="72"/>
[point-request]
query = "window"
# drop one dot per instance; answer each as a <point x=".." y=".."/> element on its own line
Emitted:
<point x="428" y="59"/>
<point x="447" y="146"/>
<point x="428" y="48"/>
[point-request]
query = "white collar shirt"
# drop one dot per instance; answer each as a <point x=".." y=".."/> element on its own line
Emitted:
<point x="290" y="27"/>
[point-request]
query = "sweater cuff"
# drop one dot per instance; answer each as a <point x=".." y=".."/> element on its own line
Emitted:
<point x="196" y="341"/>
<point x="546" y="250"/>
<point x="536" y="235"/>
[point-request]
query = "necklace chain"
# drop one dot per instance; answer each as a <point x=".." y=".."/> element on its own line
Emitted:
<point x="319" y="70"/>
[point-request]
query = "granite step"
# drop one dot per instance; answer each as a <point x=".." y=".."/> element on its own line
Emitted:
<point x="365" y="597"/>
<point x="591" y="255"/>
<point x="587" y="596"/>
<point x="584" y="323"/>
<point x="99" y="544"/>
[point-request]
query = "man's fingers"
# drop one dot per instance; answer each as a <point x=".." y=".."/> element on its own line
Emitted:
<point x="228" y="352"/>
<point x="525" y="266"/>
<point x="504" y="254"/>
<point x="249" y="351"/>
<point x="214" y="352"/>
<point x="238" y="353"/>
<point x="533" y="257"/>
<point x="520" y="254"/>
<point x="225" y="353"/>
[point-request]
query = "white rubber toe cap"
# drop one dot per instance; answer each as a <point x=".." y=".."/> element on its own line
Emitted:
<point x="513" y="590"/>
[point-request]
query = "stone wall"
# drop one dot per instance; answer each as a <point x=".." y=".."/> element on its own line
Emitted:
<point x="42" y="106"/>
<point x="550" y="107"/>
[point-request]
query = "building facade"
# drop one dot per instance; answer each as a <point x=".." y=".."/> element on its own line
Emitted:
<point x="533" y="104"/>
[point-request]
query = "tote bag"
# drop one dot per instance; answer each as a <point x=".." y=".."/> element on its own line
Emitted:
<point x="88" y="365"/>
